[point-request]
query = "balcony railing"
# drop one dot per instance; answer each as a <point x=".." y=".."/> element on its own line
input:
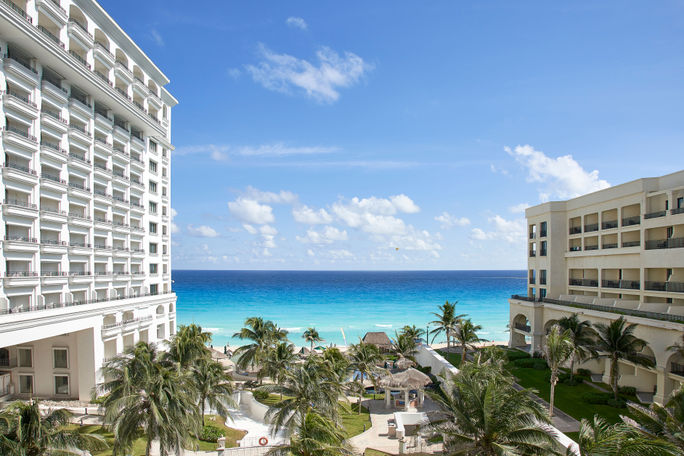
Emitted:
<point x="575" y="248"/>
<point x="51" y="35"/>
<point x="611" y="245"/>
<point x="583" y="282"/>
<point x="79" y="186"/>
<point x="610" y="283"/>
<point x="677" y="210"/>
<point x="53" y="274"/>
<point x="17" y="10"/>
<point x="677" y="369"/>
<point x="672" y="287"/>
<point x="22" y="168"/>
<point x="52" y="177"/>
<point x="672" y="243"/>
<point x="54" y="114"/>
<point x="630" y="284"/>
<point x="631" y="243"/>
<point x="80" y="215"/>
<point x="20" y="132"/>
<point x="24" y="98"/>
<point x="79" y="157"/>
<point x="612" y="310"/>
<point x="591" y="227"/>
<point x="533" y="253"/>
<point x="591" y="247"/>
<point x="655" y="214"/>
<point x="21" y="274"/>
<point x="523" y="327"/>
<point x="21" y="238"/>
<point x="80" y="59"/>
<point x="79" y="244"/>
<point x="609" y="225"/>
<point x="81" y="26"/>
<point x="20" y="203"/>
<point x="575" y="229"/>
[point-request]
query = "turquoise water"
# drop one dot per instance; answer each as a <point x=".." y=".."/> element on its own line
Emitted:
<point x="354" y="301"/>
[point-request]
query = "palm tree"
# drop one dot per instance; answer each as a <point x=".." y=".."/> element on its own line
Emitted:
<point x="189" y="344"/>
<point x="558" y="349"/>
<point x="446" y="321"/>
<point x="582" y="335"/>
<point x="279" y="360"/>
<point x="213" y="385"/>
<point x="488" y="416"/>
<point x="466" y="335"/>
<point x="146" y="393"/>
<point x="616" y="341"/>
<point x="364" y="359"/>
<point x="337" y="362"/>
<point x="306" y="387"/>
<point x="311" y="336"/>
<point x="25" y="432"/>
<point x="598" y="438"/>
<point x="660" y="422"/>
<point x="678" y="347"/>
<point x="413" y="332"/>
<point x="315" y="436"/>
<point x="263" y="334"/>
<point x="404" y="344"/>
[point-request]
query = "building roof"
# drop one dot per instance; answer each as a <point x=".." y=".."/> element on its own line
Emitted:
<point x="378" y="338"/>
<point x="409" y="378"/>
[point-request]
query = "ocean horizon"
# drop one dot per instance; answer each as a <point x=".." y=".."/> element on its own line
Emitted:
<point x="342" y="305"/>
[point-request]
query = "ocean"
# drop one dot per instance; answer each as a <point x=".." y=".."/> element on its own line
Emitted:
<point x="337" y="302"/>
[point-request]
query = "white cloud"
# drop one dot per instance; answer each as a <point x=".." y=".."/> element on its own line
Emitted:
<point x="341" y="254"/>
<point x="447" y="220"/>
<point x="174" y="228"/>
<point x="282" y="197"/>
<point x="250" y="211"/>
<point x="562" y="177"/>
<point x="296" y="22"/>
<point x="223" y="152"/>
<point x="234" y="72"/>
<point x="512" y="231"/>
<point x="320" y="80"/>
<point x="375" y="215"/>
<point x="156" y="37"/>
<point x="418" y="240"/>
<point x="202" y="231"/>
<point x="519" y="208"/>
<point x="310" y="253"/>
<point x="305" y="214"/>
<point x="249" y="228"/>
<point x="328" y="235"/>
<point x="404" y="204"/>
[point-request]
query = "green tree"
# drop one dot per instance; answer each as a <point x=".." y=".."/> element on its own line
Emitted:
<point x="557" y="350"/>
<point x="279" y="360"/>
<point x="582" y="336"/>
<point x="25" y="432"/>
<point x="404" y="344"/>
<point x="312" y="336"/>
<point x="466" y="336"/>
<point x="189" y="344"/>
<point x="364" y="359"/>
<point x="337" y="362"/>
<point x="262" y="334"/>
<point x="678" y="348"/>
<point x="145" y="393"/>
<point x="446" y="322"/>
<point x="598" y="438"/>
<point x="488" y="416"/>
<point x="315" y="436"/>
<point x="660" y="422"/>
<point x="214" y="387"/>
<point x="616" y="341"/>
<point x="413" y="332"/>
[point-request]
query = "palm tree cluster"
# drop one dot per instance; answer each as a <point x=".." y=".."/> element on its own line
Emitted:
<point x="462" y="331"/>
<point x="162" y="396"/>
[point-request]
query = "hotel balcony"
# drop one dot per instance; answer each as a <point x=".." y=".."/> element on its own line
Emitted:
<point x="672" y="243"/>
<point x="19" y="207"/>
<point x="54" y="151"/>
<point x="21" y="278"/>
<point x="19" y="102"/>
<point x="53" y="246"/>
<point x="52" y="182"/>
<point x="631" y="220"/>
<point x="54" y="120"/>
<point x="79" y="32"/>
<point x="104" y="54"/>
<point x="53" y="215"/>
<point x="22" y="69"/>
<point x="19" y="138"/>
<point x="20" y="243"/>
<point x="668" y="287"/>
<point x="19" y="173"/>
<point x="81" y="106"/>
<point x="52" y="9"/>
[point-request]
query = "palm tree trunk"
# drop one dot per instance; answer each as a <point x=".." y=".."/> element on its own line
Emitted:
<point x="552" y="394"/>
<point x="203" y="398"/>
<point x="463" y="354"/>
<point x="614" y="376"/>
<point x="148" y="447"/>
<point x="572" y="367"/>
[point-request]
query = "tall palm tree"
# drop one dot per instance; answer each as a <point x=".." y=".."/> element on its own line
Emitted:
<point x="466" y="336"/>
<point x="404" y="344"/>
<point x="364" y="359"/>
<point x="488" y="416"/>
<point x="315" y="436"/>
<point x="145" y="393"/>
<point x="311" y="335"/>
<point x="616" y="341"/>
<point x="337" y="362"/>
<point x="306" y="387"/>
<point x="189" y="344"/>
<point x="557" y="348"/>
<point x="447" y="320"/>
<point x="598" y="438"/>
<point x="262" y="334"/>
<point x="413" y="331"/>
<point x="214" y="387"/>
<point x="278" y="361"/>
<point x="582" y="339"/>
<point x="25" y="432"/>
<point x="660" y="422"/>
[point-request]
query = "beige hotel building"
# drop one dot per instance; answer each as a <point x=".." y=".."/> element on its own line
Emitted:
<point x="618" y="251"/>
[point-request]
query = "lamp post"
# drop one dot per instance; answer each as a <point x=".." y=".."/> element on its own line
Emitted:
<point x="427" y="334"/>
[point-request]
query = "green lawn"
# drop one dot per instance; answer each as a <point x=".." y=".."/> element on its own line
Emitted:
<point x="232" y="436"/>
<point x="453" y="358"/>
<point x="352" y="421"/>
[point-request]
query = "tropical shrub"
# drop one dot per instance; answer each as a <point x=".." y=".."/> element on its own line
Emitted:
<point x="627" y="390"/>
<point x="260" y="395"/>
<point x="531" y="363"/>
<point x="584" y="373"/>
<point x="211" y="434"/>
<point x="604" y="399"/>
<point x="512" y="355"/>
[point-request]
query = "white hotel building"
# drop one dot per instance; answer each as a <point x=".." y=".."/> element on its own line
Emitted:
<point x="85" y="180"/>
<point x="615" y="252"/>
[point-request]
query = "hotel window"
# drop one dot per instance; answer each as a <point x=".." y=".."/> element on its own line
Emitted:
<point x="154" y="289"/>
<point x="153" y="166"/>
<point x="153" y="228"/>
<point x="26" y="384"/>
<point x="153" y="247"/>
<point x="153" y="146"/>
<point x="542" y="277"/>
<point x="163" y="191"/>
<point x="164" y="249"/>
<point x="543" y="249"/>
<point x="25" y="357"/>
<point x="153" y="187"/>
<point x="163" y="230"/>
<point x="163" y="172"/>
<point x="153" y="208"/>
<point x="160" y="331"/>
<point x="60" y="358"/>
<point x="542" y="231"/>
<point x="165" y="268"/>
<point x="163" y="210"/>
<point x="62" y="385"/>
<point x="542" y="293"/>
<point x="153" y="268"/>
<point x="680" y="203"/>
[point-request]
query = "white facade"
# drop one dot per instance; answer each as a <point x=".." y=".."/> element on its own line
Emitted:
<point x="85" y="182"/>
<point x="618" y="251"/>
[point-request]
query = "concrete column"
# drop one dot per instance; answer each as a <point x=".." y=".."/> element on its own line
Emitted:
<point x="421" y="397"/>
<point x="388" y="398"/>
<point x="90" y="352"/>
<point x="606" y="371"/>
<point x="406" y="399"/>
<point x="663" y="386"/>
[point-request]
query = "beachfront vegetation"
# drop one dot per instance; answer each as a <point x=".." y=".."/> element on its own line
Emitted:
<point x="558" y="349"/>
<point x="413" y="332"/>
<point x="583" y="336"/>
<point x="262" y="335"/>
<point x="466" y="336"/>
<point x="364" y="359"/>
<point x="311" y="335"/>
<point x="446" y="322"/>
<point x="404" y="344"/>
<point x="316" y="435"/>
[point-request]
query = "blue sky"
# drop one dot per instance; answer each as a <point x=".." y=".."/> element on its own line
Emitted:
<point x="402" y="135"/>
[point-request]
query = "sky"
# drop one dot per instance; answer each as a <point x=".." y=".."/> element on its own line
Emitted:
<point x="389" y="135"/>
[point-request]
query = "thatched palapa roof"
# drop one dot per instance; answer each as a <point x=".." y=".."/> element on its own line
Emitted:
<point x="403" y="363"/>
<point x="409" y="378"/>
<point x="378" y="338"/>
